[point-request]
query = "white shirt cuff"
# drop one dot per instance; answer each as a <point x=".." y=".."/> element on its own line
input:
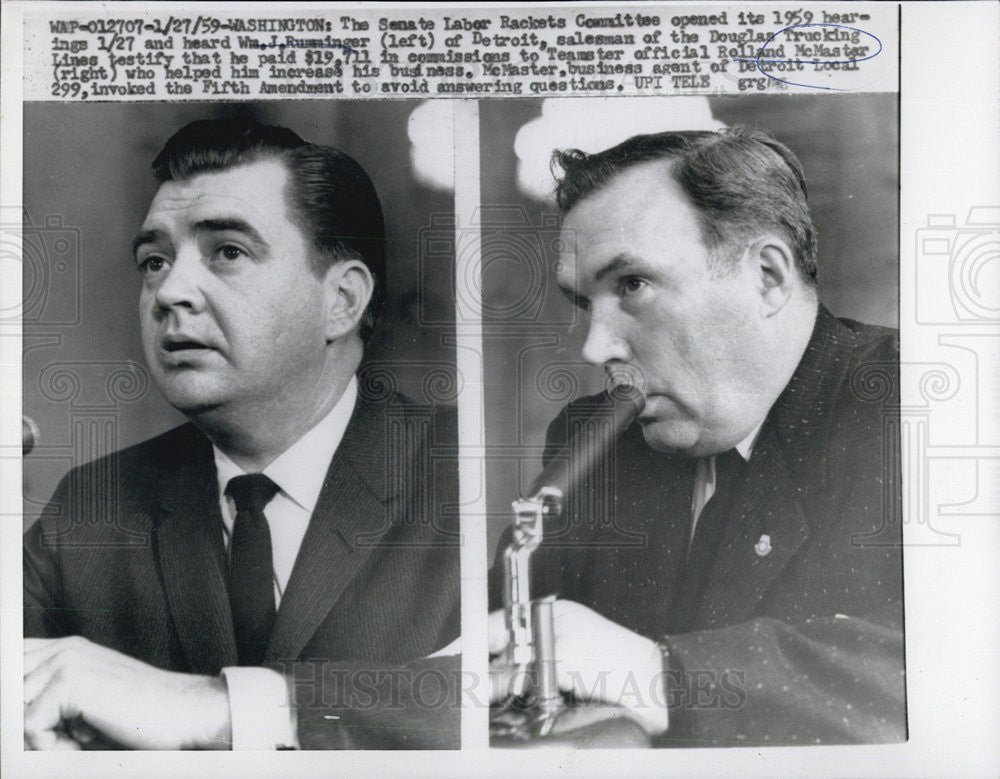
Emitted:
<point x="262" y="717"/>
<point x="654" y="719"/>
<point x="454" y="648"/>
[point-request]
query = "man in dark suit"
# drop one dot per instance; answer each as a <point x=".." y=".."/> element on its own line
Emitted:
<point x="278" y="572"/>
<point x="743" y="583"/>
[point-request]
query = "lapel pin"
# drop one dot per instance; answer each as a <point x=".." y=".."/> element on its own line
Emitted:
<point x="763" y="546"/>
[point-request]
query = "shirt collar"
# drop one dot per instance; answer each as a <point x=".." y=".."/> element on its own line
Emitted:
<point x="300" y="470"/>
<point x="745" y="447"/>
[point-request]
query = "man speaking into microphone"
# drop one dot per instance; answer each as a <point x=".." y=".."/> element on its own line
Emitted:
<point x="743" y="585"/>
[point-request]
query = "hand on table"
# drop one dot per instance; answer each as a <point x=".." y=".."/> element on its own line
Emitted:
<point x="76" y="691"/>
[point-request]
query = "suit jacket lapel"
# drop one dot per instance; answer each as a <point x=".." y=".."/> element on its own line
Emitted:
<point x="192" y="559"/>
<point x="788" y="463"/>
<point x="351" y="514"/>
<point x="766" y="503"/>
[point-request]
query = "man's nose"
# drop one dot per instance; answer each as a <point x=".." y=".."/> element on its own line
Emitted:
<point x="180" y="284"/>
<point x="605" y="344"/>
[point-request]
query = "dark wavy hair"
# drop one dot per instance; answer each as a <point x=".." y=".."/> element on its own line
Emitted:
<point x="329" y="195"/>
<point x="740" y="181"/>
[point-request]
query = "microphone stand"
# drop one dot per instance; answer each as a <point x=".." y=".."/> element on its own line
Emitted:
<point x="533" y="709"/>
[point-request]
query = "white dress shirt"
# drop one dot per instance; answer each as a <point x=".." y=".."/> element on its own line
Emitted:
<point x="258" y="697"/>
<point x="704" y="477"/>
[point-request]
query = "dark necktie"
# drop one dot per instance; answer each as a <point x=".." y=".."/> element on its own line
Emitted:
<point x="708" y="532"/>
<point x="251" y="587"/>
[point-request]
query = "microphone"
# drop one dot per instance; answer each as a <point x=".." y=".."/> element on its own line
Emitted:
<point x="29" y="434"/>
<point x="534" y="707"/>
<point x="565" y="471"/>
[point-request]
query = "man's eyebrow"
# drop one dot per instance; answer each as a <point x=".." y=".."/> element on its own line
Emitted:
<point x="234" y="224"/>
<point x="615" y="264"/>
<point x="577" y="300"/>
<point x="217" y="225"/>
<point x="144" y="237"/>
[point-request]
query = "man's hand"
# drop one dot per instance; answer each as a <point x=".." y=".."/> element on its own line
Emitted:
<point x="75" y="690"/>
<point x="596" y="660"/>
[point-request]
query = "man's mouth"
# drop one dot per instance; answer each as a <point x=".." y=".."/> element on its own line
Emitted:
<point x="180" y="345"/>
<point x="176" y="346"/>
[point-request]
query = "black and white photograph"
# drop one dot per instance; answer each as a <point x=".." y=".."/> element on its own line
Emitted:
<point x="241" y="493"/>
<point x="499" y="390"/>
<point x="717" y="558"/>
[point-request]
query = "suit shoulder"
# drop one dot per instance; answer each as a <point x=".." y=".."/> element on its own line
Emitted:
<point x="872" y="342"/>
<point x="866" y="399"/>
<point x="443" y="418"/>
<point x="117" y="485"/>
<point x="164" y="451"/>
<point x="873" y="364"/>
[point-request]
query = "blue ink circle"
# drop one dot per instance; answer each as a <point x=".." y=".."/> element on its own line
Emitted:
<point x="757" y="60"/>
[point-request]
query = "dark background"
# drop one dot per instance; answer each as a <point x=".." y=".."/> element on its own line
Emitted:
<point x="848" y="145"/>
<point x="87" y="186"/>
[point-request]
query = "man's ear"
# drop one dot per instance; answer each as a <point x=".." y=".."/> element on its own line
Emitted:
<point x="348" y="286"/>
<point x="775" y="272"/>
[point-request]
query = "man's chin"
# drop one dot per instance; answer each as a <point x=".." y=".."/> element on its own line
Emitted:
<point x="671" y="437"/>
<point x="191" y="398"/>
<point x="195" y="409"/>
